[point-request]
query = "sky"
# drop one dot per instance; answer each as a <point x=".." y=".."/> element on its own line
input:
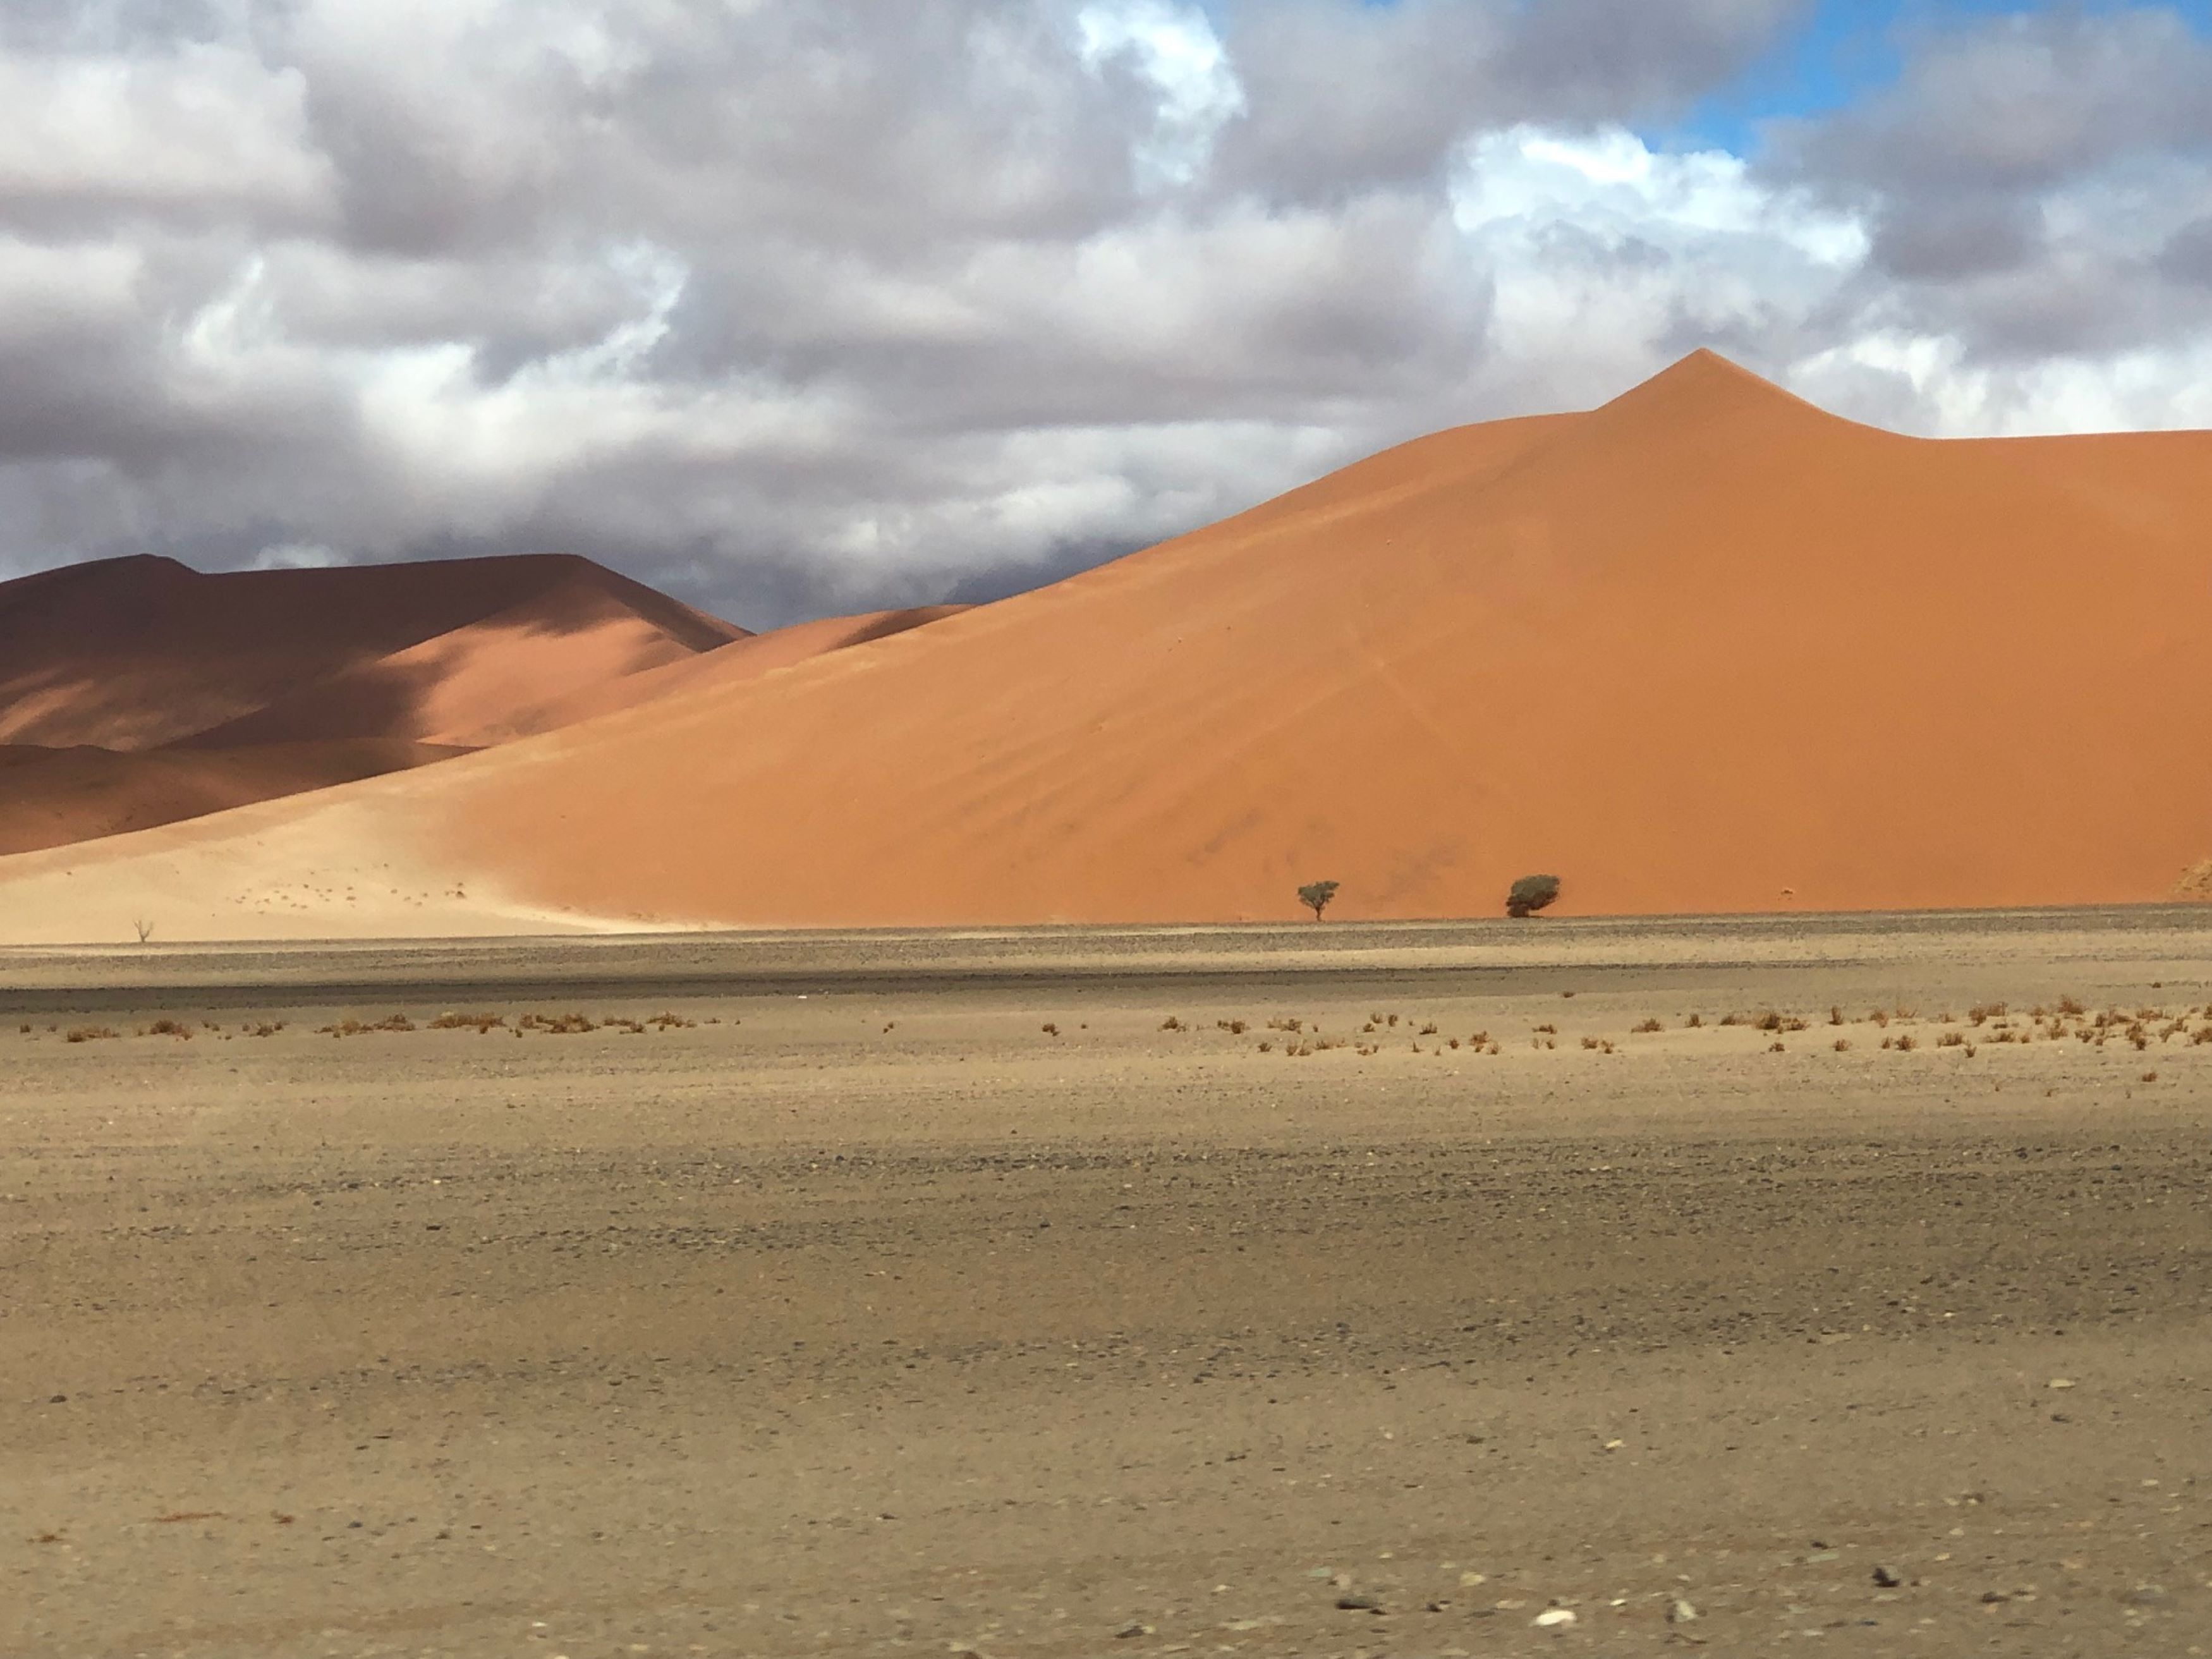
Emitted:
<point x="795" y="307"/>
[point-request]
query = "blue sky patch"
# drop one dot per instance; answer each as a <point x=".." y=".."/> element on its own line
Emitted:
<point x="1849" y="49"/>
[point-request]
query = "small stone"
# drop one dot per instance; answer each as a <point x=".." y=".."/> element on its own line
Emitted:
<point x="2060" y="1383"/>
<point x="56" y="1399"/>
<point x="1469" y="1580"/>
<point x="1888" y="1577"/>
<point x="1553" y="1618"/>
<point x="1823" y="1555"/>
<point x="2148" y="1596"/>
<point x="1991" y="1598"/>
<point x="1129" y="1631"/>
<point x="1681" y="1612"/>
<point x="1358" y="1604"/>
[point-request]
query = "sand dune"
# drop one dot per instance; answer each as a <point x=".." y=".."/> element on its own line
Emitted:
<point x="134" y="654"/>
<point x="52" y="796"/>
<point x="138" y="692"/>
<point x="1705" y="648"/>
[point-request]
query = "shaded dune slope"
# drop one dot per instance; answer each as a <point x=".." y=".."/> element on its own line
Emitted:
<point x="137" y="692"/>
<point x="53" y="797"/>
<point x="139" y="653"/>
<point x="1703" y="649"/>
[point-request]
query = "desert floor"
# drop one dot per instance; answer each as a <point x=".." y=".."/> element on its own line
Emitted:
<point x="857" y="1310"/>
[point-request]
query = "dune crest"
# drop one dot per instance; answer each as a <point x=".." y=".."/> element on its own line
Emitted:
<point x="1705" y="648"/>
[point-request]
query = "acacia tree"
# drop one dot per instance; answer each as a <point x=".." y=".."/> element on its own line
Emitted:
<point x="1531" y="894"/>
<point x="1316" y="896"/>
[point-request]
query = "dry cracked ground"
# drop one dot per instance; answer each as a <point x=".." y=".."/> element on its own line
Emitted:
<point x="929" y="1294"/>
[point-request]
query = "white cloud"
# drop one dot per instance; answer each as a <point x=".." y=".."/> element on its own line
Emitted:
<point x="810" y="304"/>
<point x="1176" y="51"/>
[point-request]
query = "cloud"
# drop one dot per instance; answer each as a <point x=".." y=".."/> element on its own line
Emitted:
<point x="803" y="306"/>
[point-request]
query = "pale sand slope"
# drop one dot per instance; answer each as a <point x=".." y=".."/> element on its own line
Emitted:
<point x="328" y="865"/>
<point x="1697" y="650"/>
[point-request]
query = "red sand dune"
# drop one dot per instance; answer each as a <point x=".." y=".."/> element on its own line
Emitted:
<point x="1705" y="648"/>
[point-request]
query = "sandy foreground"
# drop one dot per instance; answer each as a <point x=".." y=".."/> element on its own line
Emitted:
<point x="925" y="1293"/>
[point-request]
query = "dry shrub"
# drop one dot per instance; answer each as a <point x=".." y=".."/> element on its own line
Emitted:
<point x="1267" y="1047"/>
<point x="1428" y="1030"/>
<point x="477" y="1023"/>
<point x="1648" y="1027"/>
<point x="1835" y="1015"/>
<point x="169" y="1028"/>
<point x="1480" y="1040"/>
<point x="1290" y="1026"/>
<point x="1951" y="1040"/>
<point x="2150" y="1076"/>
<point x="89" y="1033"/>
<point x="1843" y="1045"/>
<point x="1695" y="1021"/>
<point x="1982" y="1011"/>
<point x="1778" y="1048"/>
<point x="1549" y="1031"/>
<point x="1172" y="1024"/>
<point x="668" y="1021"/>
<point x="1454" y="1043"/>
<point x="1589" y="1043"/>
<point x="556" y="1025"/>
<point x="266" y="1028"/>
<point x="2068" y="1006"/>
<point x="1394" y="1019"/>
<point x="1731" y="1020"/>
<point x="346" y="1028"/>
<point x="1049" y="1029"/>
<point x="1878" y="1018"/>
<point x="1904" y="1042"/>
<point x="1234" y="1027"/>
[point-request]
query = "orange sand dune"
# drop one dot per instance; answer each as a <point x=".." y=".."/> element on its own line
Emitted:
<point x="134" y="654"/>
<point x="746" y="659"/>
<point x="52" y="797"/>
<point x="1705" y="648"/>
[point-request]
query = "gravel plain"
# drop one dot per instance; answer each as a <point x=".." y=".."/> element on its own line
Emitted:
<point x="930" y="1293"/>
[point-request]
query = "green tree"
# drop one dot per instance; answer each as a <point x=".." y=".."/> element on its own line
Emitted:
<point x="1531" y="894"/>
<point x="1316" y="896"/>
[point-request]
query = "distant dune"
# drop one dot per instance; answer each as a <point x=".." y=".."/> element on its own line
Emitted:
<point x="1703" y="649"/>
<point x="138" y="652"/>
<point x="135" y="692"/>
